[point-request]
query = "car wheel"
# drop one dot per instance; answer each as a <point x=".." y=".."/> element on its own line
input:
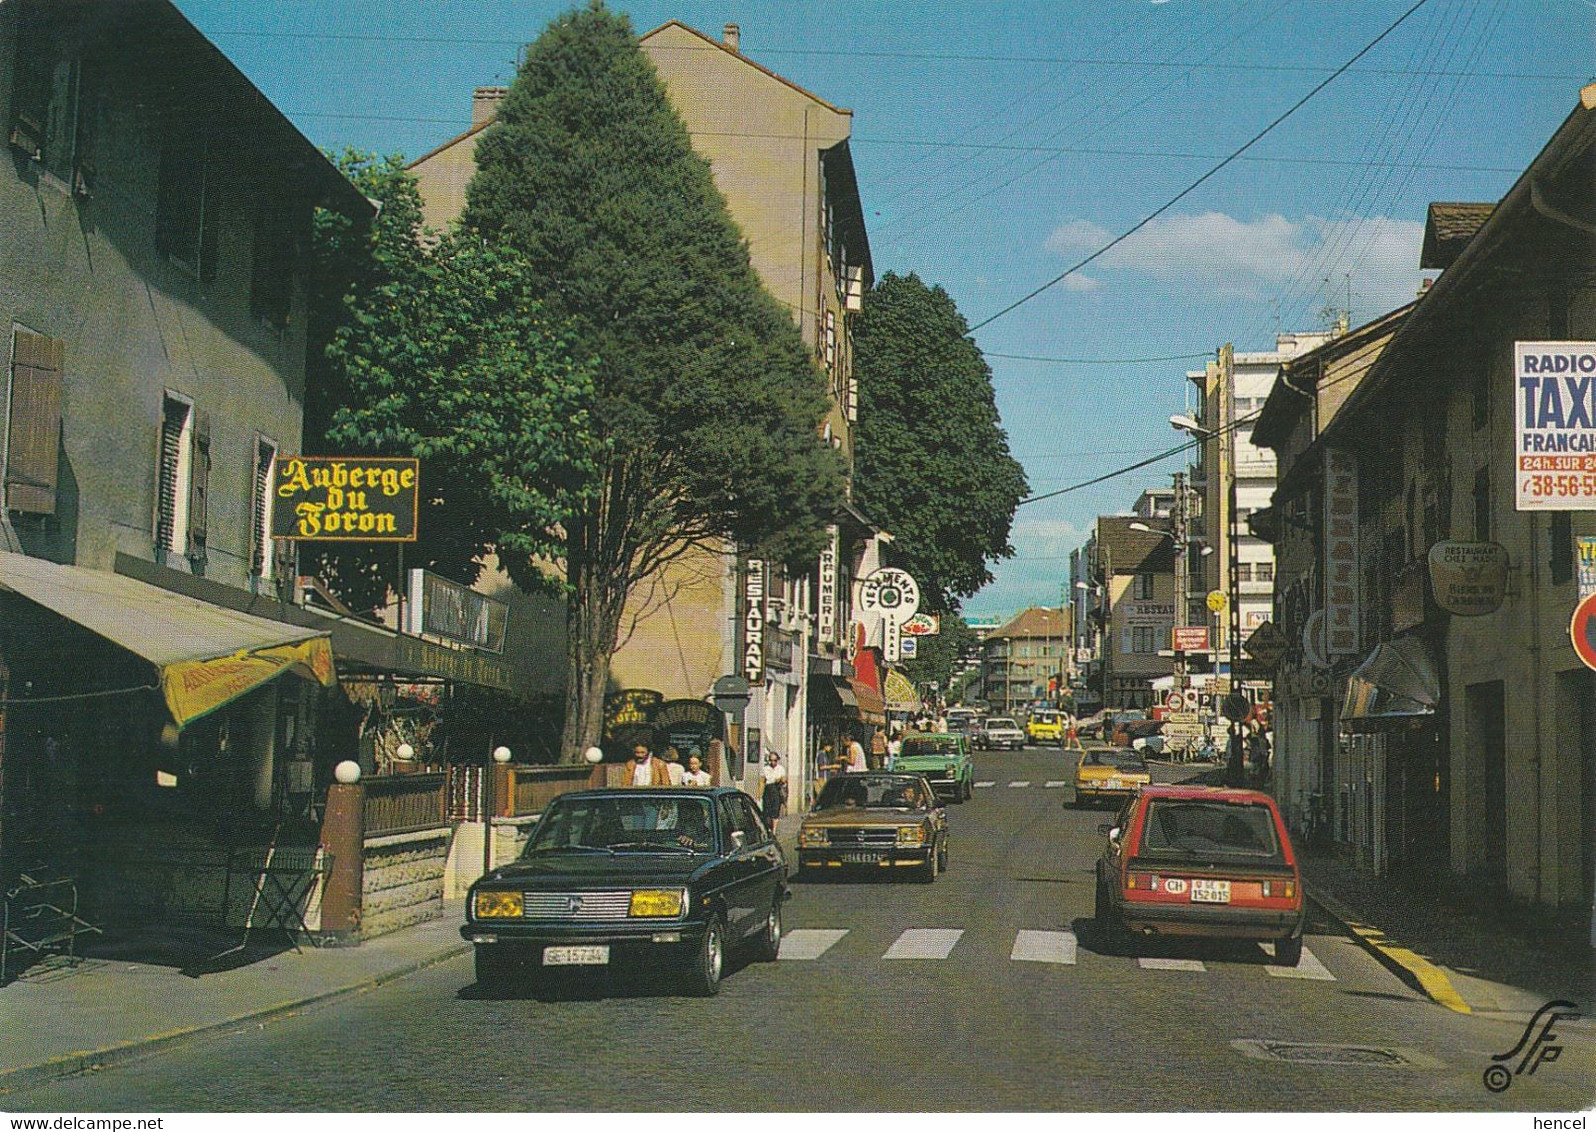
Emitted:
<point x="768" y="949"/>
<point x="928" y="871"/>
<point x="969" y="789"/>
<point x="1110" y="927"/>
<point x="942" y="858"/>
<point x="703" y="976"/>
<point x="495" y="967"/>
<point x="1288" y="951"/>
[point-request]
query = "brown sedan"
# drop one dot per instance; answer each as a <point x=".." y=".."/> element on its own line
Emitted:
<point x="880" y="821"/>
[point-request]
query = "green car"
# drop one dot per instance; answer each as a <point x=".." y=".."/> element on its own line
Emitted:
<point x="944" y="759"/>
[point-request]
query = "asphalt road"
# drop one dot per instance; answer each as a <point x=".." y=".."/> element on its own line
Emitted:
<point x="985" y="991"/>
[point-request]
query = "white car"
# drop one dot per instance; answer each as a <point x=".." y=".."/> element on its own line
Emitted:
<point x="1000" y="733"/>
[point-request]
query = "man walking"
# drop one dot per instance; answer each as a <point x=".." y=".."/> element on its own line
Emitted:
<point x="646" y="770"/>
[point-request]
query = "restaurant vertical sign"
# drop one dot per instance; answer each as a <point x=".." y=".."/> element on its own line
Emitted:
<point x="346" y="498"/>
<point x="753" y="588"/>
<point x="1340" y="553"/>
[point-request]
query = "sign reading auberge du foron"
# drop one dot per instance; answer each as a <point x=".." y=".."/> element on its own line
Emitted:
<point x="346" y="498"/>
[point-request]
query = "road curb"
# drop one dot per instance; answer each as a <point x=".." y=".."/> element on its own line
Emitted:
<point x="84" y="1060"/>
<point x="1405" y="963"/>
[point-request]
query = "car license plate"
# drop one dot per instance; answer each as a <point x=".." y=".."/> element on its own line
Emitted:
<point x="862" y="858"/>
<point x="576" y="956"/>
<point x="1113" y="784"/>
<point x="1210" y="891"/>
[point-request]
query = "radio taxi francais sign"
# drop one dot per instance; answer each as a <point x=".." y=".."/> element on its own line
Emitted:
<point x="346" y="498"/>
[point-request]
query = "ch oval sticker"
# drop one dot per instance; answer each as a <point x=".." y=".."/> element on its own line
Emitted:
<point x="1174" y="885"/>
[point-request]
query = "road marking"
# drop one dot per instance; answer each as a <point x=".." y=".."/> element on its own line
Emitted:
<point x="924" y="943"/>
<point x="981" y="784"/>
<point x="1044" y="947"/>
<point x="1055" y="782"/>
<point x="809" y="943"/>
<point x="1026" y="782"/>
<point x="1308" y="968"/>
<point x="1153" y="964"/>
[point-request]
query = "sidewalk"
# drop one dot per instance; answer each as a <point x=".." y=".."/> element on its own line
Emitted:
<point x="61" y="1019"/>
<point x="1465" y="959"/>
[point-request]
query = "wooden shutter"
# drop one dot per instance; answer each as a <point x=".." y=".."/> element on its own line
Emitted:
<point x="199" y="488"/>
<point x="33" y="448"/>
<point x="260" y="519"/>
<point x="174" y="416"/>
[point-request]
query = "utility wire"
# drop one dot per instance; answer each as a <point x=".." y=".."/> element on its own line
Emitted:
<point x="1191" y="188"/>
<point x="1095" y="361"/>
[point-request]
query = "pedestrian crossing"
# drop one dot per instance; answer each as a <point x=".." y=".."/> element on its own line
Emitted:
<point x="1021" y="784"/>
<point x="1058" y="948"/>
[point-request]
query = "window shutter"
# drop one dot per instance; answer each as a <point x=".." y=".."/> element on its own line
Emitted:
<point x="260" y="549"/>
<point x="174" y="416"/>
<point x="199" y="489"/>
<point x="33" y="449"/>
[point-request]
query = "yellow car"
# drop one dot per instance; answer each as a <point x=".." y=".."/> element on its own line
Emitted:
<point x="1045" y="727"/>
<point x="1113" y="775"/>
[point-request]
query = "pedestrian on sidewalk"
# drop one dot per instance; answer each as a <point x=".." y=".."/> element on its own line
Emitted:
<point x="695" y="774"/>
<point x="878" y="749"/>
<point x="646" y="770"/>
<point x="1258" y="757"/>
<point x="857" y="764"/>
<point x="1236" y="756"/>
<point x="774" y="795"/>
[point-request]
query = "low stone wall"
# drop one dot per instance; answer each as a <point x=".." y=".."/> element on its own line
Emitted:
<point x="404" y="879"/>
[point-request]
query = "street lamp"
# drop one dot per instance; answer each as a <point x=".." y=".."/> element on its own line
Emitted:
<point x="1187" y="424"/>
<point x="501" y="756"/>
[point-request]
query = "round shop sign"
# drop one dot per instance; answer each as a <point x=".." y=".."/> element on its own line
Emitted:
<point x="1216" y="601"/>
<point x="1469" y="579"/>
<point x="892" y="592"/>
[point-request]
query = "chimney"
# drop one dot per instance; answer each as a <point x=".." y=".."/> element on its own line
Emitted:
<point x="732" y="36"/>
<point x="485" y="103"/>
<point x="1425" y="285"/>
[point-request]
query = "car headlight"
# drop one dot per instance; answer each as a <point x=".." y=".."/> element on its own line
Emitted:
<point x="499" y="906"/>
<point x="911" y="835"/>
<point x="814" y="838"/>
<point x="658" y="902"/>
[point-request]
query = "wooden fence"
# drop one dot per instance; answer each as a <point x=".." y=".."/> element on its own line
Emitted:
<point x="404" y="802"/>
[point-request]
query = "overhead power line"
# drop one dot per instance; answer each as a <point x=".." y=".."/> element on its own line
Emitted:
<point x="1095" y="361"/>
<point x="1191" y="188"/>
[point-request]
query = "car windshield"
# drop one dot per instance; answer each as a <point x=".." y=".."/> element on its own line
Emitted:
<point x="942" y="748"/>
<point x="635" y="822"/>
<point x="998" y="723"/>
<point x="1201" y="828"/>
<point x="1118" y="760"/>
<point x="872" y="792"/>
<point x="1044" y="717"/>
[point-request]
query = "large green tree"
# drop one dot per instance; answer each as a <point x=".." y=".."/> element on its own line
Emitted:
<point x="932" y="461"/>
<point x="438" y="348"/>
<point x="937" y="657"/>
<point x="708" y="402"/>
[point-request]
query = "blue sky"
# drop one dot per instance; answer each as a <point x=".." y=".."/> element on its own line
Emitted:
<point x="999" y="142"/>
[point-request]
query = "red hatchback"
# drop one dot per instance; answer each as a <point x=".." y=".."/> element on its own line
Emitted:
<point x="1202" y="861"/>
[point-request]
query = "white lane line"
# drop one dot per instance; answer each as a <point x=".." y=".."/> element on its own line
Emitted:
<point x="1308" y="968"/>
<point x="1025" y="782"/>
<point x="924" y="943"/>
<point x="1055" y="782"/>
<point x="1044" y="947"/>
<point x="1153" y="964"/>
<point x="988" y="783"/>
<point x="809" y="943"/>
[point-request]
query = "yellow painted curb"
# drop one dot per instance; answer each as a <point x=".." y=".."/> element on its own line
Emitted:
<point x="1430" y="977"/>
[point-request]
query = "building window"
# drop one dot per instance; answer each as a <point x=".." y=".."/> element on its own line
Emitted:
<point x="1142" y="587"/>
<point x="54" y="106"/>
<point x="260" y="508"/>
<point x="1265" y="571"/>
<point x="1144" y="640"/>
<point x="275" y="260"/>
<point x="1482" y="505"/>
<point x="188" y="204"/>
<point x="32" y="438"/>
<point x="1244" y="571"/>
<point x="175" y="494"/>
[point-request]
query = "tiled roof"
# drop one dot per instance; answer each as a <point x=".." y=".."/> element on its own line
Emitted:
<point x="1448" y="228"/>
<point x="1037" y="621"/>
<point x="1134" y="552"/>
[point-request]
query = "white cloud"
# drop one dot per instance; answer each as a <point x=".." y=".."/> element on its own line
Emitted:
<point x="1079" y="282"/>
<point x="1263" y="257"/>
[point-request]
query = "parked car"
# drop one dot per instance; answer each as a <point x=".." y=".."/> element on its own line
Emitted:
<point x="1045" y="726"/>
<point x="1111" y="774"/>
<point x="638" y="878"/>
<point x="1200" y="861"/>
<point x="944" y="759"/>
<point x="961" y="718"/>
<point x="877" y="821"/>
<point x="999" y="732"/>
<point x="1146" y="736"/>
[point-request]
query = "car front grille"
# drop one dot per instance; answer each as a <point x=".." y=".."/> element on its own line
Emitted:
<point x="864" y="836"/>
<point x="577" y="907"/>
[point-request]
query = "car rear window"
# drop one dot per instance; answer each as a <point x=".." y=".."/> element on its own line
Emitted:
<point x="1203" y="827"/>
<point x="944" y="747"/>
<point x="999" y="722"/>
<point x="1125" y="762"/>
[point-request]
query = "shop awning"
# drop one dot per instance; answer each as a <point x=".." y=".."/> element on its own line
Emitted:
<point x="833" y="696"/>
<point x="207" y="656"/>
<point x="872" y="707"/>
<point x="900" y="694"/>
<point x="1398" y="683"/>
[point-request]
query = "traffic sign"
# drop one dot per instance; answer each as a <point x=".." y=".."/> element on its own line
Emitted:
<point x="1236" y="707"/>
<point x="1174" y="701"/>
<point x="1582" y="631"/>
<point x="1216" y="601"/>
<point x="908" y="647"/>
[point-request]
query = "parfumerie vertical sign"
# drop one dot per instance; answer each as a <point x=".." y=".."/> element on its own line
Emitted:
<point x="826" y="598"/>
<point x="1554" y="387"/>
<point x="753" y="620"/>
<point x="346" y="498"/>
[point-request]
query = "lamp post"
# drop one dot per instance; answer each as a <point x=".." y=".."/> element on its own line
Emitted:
<point x="490" y="773"/>
<point x="1095" y="590"/>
